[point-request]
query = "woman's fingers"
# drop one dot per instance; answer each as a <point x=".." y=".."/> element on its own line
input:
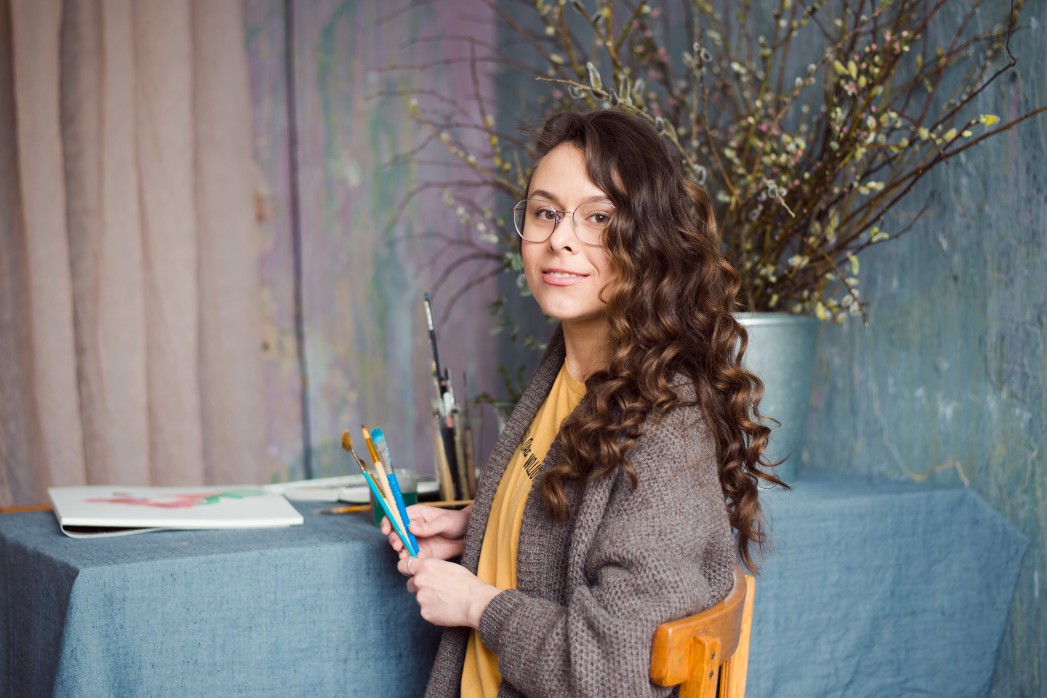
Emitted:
<point x="408" y="566"/>
<point x="447" y="593"/>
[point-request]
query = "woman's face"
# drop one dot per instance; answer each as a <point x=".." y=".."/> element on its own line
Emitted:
<point x="565" y="275"/>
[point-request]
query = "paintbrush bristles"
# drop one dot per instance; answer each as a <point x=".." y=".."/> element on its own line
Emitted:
<point x="347" y="445"/>
<point x="380" y="445"/>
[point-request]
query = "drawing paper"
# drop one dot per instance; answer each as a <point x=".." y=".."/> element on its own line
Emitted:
<point x="81" y="509"/>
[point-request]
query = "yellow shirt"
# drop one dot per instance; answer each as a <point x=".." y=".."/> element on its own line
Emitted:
<point x="497" y="566"/>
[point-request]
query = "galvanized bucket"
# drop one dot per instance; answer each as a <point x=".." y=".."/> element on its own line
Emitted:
<point x="781" y="352"/>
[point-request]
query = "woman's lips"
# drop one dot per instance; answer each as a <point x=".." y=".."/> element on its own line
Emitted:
<point x="562" y="277"/>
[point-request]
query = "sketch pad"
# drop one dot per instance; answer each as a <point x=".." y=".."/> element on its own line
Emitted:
<point x="108" y="511"/>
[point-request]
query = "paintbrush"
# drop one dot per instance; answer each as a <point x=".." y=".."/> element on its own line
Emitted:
<point x="379" y="469"/>
<point x="380" y="445"/>
<point x="444" y="406"/>
<point x="385" y="481"/>
<point x="380" y="454"/>
<point x="347" y="445"/>
<point x="355" y="508"/>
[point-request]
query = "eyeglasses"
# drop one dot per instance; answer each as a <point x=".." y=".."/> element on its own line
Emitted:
<point x="536" y="220"/>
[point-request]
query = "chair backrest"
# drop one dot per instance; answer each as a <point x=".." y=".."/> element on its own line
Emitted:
<point x="709" y="649"/>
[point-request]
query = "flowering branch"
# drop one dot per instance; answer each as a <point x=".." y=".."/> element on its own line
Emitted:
<point x="808" y="124"/>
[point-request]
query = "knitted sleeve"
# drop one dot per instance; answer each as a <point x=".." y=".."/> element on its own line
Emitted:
<point x="659" y="551"/>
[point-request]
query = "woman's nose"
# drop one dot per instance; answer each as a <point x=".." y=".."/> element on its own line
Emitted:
<point x="563" y="235"/>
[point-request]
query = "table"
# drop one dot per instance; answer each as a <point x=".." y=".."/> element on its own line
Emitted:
<point x="872" y="590"/>
<point x="312" y="610"/>
<point x="881" y="589"/>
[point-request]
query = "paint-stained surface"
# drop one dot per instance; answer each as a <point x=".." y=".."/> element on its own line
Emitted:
<point x="363" y="268"/>
<point x="948" y="381"/>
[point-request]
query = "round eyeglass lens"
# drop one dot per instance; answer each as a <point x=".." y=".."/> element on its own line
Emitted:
<point x="535" y="220"/>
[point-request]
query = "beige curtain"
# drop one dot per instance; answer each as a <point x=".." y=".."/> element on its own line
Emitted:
<point x="129" y="290"/>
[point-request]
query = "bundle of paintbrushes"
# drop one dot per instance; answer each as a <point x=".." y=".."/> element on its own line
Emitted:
<point x="453" y="432"/>
<point x="385" y="489"/>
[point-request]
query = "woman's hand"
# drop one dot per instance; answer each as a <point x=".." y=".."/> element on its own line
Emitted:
<point x="440" y="532"/>
<point x="447" y="593"/>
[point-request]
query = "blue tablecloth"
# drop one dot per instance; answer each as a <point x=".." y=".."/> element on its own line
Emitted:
<point x="312" y="610"/>
<point x="872" y="590"/>
<point x="888" y="589"/>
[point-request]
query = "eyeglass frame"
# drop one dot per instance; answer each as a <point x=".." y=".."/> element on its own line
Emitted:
<point x="559" y="219"/>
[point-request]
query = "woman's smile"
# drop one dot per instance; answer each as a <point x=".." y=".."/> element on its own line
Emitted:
<point x="562" y="277"/>
<point x="565" y="275"/>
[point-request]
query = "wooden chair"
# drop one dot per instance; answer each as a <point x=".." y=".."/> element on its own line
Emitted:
<point x="708" y="650"/>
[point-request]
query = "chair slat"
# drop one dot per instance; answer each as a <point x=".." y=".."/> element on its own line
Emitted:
<point x="689" y="652"/>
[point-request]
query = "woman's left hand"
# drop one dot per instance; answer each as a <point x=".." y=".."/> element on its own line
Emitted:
<point x="447" y="593"/>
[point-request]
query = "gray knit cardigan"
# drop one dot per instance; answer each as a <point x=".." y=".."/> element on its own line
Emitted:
<point x="591" y="590"/>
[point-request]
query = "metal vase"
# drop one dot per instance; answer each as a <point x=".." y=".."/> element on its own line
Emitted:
<point x="781" y="352"/>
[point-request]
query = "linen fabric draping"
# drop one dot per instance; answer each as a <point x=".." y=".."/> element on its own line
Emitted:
<point x="872" y="589"/>
<point x="129" y="278"/>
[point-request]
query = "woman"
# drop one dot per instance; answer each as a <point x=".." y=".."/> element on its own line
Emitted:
<point x="607" y="505"/>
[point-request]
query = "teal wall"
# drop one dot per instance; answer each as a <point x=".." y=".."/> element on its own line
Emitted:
<point x="947" y="383"/>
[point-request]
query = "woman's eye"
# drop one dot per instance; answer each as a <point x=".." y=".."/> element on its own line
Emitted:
<point x="600" y="218"/>
<point x="545" y="214"/>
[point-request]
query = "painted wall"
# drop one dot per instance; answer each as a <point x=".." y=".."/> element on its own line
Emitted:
<point x="946" y="384"/>
<point x="948" y="381"/>
<point x="327" y="128"/>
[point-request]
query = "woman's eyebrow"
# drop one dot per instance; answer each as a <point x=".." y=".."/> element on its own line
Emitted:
<point x="542" y="194"/>
<point x="552" y="198"/>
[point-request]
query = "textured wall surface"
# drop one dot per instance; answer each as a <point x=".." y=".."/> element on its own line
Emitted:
<point x="327" y="132"/>
<point x="267" y="52"/>
<point x="948" y="381"/>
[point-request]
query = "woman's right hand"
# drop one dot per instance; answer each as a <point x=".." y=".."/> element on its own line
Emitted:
<point x="440" y="532"/>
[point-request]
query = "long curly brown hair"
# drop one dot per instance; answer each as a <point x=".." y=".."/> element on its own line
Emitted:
<point x="669" y="314"/>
